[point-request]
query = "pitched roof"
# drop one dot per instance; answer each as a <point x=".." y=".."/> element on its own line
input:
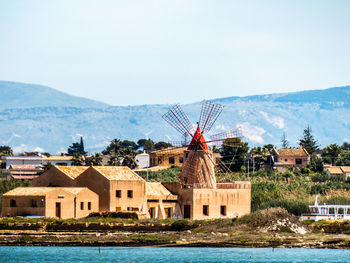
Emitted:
<point x="334" y="170"/>
<point x="300" y="152"/>
<point x="40" y="191"/>
<point x="158" y="191"/>
<point x="118" y="173"/>
<point x="72" y="171"/>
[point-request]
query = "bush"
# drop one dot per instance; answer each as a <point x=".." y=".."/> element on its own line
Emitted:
<point x="180" y="225"/>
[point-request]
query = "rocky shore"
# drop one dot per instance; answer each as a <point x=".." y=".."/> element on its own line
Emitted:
<point x="267" y="228"/>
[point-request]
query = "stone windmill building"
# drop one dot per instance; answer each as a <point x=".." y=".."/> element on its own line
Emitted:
<point x="199" y="195"/>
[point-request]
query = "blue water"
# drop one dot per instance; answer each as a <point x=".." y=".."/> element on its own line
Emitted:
<point x="170" y="255"/>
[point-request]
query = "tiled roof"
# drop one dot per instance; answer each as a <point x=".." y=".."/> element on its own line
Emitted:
<point x="158" y="191"/>
<point x="300" y="152"/>
<point x="72" y="171"/>
<point x="24" y="167"/>
<point x="57" y="158"/>
<point x="335" y="170"/>
<point x="40" y="191"/>
<point x="346" y="169"/>
<point x="169" y="151"/>
<point x="118" y="173"/>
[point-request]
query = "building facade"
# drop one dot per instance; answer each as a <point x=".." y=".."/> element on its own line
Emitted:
<point x="59" y="202"/>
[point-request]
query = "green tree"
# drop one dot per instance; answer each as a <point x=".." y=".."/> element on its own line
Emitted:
<point x="129" y="144"/>
<point x="6" y="150"/>
<point x="146" y="144"/>
<point x="316" y="163"/>
<point x="331" y="153"/>
<point x="284" y="141"/>
<point x="47" y="166"/>
<point x="346" y="146"/>
<point x="234" y="156"/>
<point x="121" y="154"/>
<point x="78" y="160"/>
<point x="343" y="159"/>
<point x="77" y="148"/>
<point x="162" y="145"/>
<point x="308" y="141"/>
<point x="96" y="159"/>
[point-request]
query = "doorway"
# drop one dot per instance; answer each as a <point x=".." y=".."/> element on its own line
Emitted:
<point x="58" y="210"/>
<point x="187" y="211"/>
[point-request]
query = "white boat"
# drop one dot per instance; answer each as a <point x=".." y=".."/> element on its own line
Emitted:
<point x="327" y="212"/>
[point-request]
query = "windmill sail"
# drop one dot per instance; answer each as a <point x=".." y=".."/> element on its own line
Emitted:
<point x="209" y="113"/>
<point x="177" y="118"/>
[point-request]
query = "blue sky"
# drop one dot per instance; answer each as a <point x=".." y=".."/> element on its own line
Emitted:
<point x="146" y="52"/>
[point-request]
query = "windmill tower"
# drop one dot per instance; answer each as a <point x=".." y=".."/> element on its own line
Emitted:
<point x="198" y="167"/>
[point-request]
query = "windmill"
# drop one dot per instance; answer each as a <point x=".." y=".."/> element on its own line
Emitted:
<point x="198" y="169"/>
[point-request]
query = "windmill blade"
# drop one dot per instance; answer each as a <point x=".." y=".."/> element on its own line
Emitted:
<point x="177" y="118"/>
<point x="219" y="138"/>
<point x="178" y="143"/>
<point x="209" y="113"/>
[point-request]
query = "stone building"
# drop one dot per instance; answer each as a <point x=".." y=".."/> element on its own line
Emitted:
<point x="167" y="157"/>
<point x="161" y="202"/>
<point x="284" y="158"/>
<point x="60" y="202"/>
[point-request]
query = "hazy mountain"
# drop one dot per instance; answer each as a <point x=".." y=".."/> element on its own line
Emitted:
<point x="21" y="95"/>
<point x="36" y="117"/>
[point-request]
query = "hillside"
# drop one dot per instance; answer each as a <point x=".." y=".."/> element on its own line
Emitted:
<point x="36" y="117"/>
<point x="20" y="95"/>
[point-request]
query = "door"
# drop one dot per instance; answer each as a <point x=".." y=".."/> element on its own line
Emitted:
<point x="187" y="211"/>
<point x="58" y="210"/>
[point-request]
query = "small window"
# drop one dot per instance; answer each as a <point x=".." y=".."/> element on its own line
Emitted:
<point x="118" y="193"/>
<point x="298" y="161"/>
<point x="81" y="205"/>
<point x="285" y="160"/>
<point x="13" y="203"/>
<point x="205" y="210"/>
<point x="34" y="203"/>
<point x="171" y="160"/>
<point x="118" y="208"/>
<point x="130" y="194"/>
<point x="181" y="159"/>
<point x="223" y="210"/>
<point x="89" y="205"/>
<point x="133" y="209"/>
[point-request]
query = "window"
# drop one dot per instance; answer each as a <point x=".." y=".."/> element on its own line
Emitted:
<point x="133" y="209"/>
<point x="118" y="193"/>
<point x="13" y="203"/>
<point x="152" y="212"/>
<point x="89" y="205"/>
<point x="3" y="165"/>
<point x="130" y="194"/>
<point x="168" y="212"/>
<point x="205" y="210"/>
<point x="298" y="161"/>
<point x="171" y="160"/>
<point x="223" y="210"/>
<point x="181" y="159"/>
<point x="118" y="208"/>
<point x="34" y="203"/>
<point x="285" y="160"/>
<point x="81" y="205"/>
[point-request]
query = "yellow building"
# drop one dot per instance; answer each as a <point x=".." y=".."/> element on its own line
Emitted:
<point x="160" y="202"/>
<point x="167" y="157"/>
<point x="60" y="202"/>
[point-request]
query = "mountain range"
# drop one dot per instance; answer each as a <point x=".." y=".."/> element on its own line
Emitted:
<point x="38" y="118"/>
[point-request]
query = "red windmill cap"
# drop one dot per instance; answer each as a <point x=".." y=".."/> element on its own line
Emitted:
<point x="198" y="138"/>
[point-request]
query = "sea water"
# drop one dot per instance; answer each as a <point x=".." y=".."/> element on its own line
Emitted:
<point x="170" y="254"/>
